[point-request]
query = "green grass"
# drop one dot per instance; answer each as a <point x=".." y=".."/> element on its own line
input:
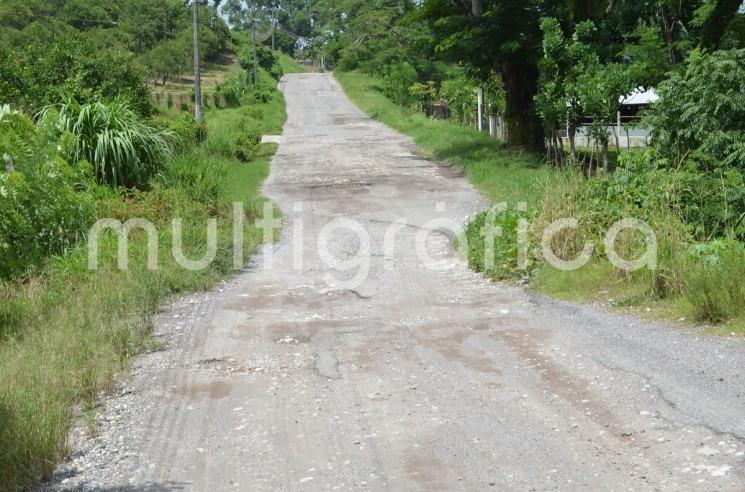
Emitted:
<point x="212" y="75"/>
<point x="69" y="330"/>
<point x="258" y="118"/>
<point x="288" y="64"/>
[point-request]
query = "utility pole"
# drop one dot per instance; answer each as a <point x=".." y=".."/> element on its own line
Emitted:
<point x="253" y="42"/>
<point x="197" y="68"/>
<point x="477" y="8"/>
<point x="274" y="24"/>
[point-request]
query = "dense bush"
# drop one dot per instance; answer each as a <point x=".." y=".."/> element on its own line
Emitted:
<point x="233" y="89"/>
<point x="714" y="287"/>
<point x="41" y="74"/>
<point x="198" y="177"/>
<point x="46" y="203"/>
<point x="265" y="58"/>
<point x="399" y="78"/>
<point x="186" y="132"/>
<point x="712" y="204"/>
<point x="122" y="147"/>
<point x="504" y="247"/>
<point x="246" y="146"/>
<point x="701" y="112"/>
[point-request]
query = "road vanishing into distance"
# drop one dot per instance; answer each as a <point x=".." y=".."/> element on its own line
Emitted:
<point x="422" y="377"/>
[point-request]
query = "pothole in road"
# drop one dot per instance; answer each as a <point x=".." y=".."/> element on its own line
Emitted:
<point x="224" y="366"/>
<point x="215" y="390"/>
<point x="340" y="184"/>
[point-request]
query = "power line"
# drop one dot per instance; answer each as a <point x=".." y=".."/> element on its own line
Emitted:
<point x="68" y="20"/>
<point x="197" y="68"/>
<point x="95" y="21"/>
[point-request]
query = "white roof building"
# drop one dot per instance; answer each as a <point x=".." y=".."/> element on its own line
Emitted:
<point x="639" y="97"/>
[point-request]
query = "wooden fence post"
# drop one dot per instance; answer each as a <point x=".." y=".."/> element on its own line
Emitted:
<point x="480" y="120"/>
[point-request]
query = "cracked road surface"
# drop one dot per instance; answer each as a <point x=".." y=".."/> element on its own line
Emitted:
<point x="418" y="379"/>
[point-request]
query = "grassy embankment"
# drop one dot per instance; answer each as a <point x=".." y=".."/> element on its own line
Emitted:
<point x="288" y="64"/>
<point x="511" y="177"/>
<point x="213" y="74"/>
<point x="65" y="331"/>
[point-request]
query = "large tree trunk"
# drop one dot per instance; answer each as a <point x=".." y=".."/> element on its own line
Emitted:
<point x="572" y="133"/>
<point x="524" y="128"/>
<point x="669" y="21"/>
<point x="716" y="24"/>
<point x="477" y="7"/>
<point x="606" y="165"/>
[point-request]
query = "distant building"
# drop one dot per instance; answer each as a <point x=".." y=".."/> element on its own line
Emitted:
<point x="632" y="104"/>
<point x="630" y="134"/>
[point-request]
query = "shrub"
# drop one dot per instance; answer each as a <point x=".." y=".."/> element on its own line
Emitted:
<point x="505" y="245"/>
<point x="123" y="148"/>
<point x="711" y="203"/>
<point x="682" y="206"/>
<point x="266" y="60"/>
<point x="19" y="138"/>
<point x="46" y="204"/>
<point x="458" y="92"/>
<point x="233" y="89"/>
<point x="186" y="132"/>
<point x="400" y="77"/>
<point x="196" y="176"/>
<point x="72" y="65"/>
<point x="701" y="112"/>
<point x="261" y="96"/>
<point x="247" y="140"/>
<point x="246" y="146"/>
<point x="714" y="286"/>
<point x="424" y="95"/>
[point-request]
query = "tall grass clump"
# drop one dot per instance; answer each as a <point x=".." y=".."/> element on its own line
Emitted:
<point x="186" y="133"/>
<point x="201" y="177"/>
<point x="714" y="285"/>
<point x="124" y="149"/>
<point x="695" y="269"/>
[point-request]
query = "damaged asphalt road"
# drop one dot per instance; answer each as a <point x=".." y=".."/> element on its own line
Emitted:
<point x="417" y="379"/>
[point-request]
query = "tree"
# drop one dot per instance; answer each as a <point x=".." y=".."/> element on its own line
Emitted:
<point x="649" y="55"/>
<point x="147" y="23"/>
<point x="505" y="38"/>
<point x="87" y="14"/>
<point x="551" y="99"/>
<point x="712" y="19"/>
<point x="76" y="67"/>
<point x="701" y="112"/>
<point x="560" y="99"/>
<point x="601" y="87"/>
<point x="167" y="60"/>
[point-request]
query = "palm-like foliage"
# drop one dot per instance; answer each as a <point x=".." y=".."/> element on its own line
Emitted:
<point x="123" y="149"/>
